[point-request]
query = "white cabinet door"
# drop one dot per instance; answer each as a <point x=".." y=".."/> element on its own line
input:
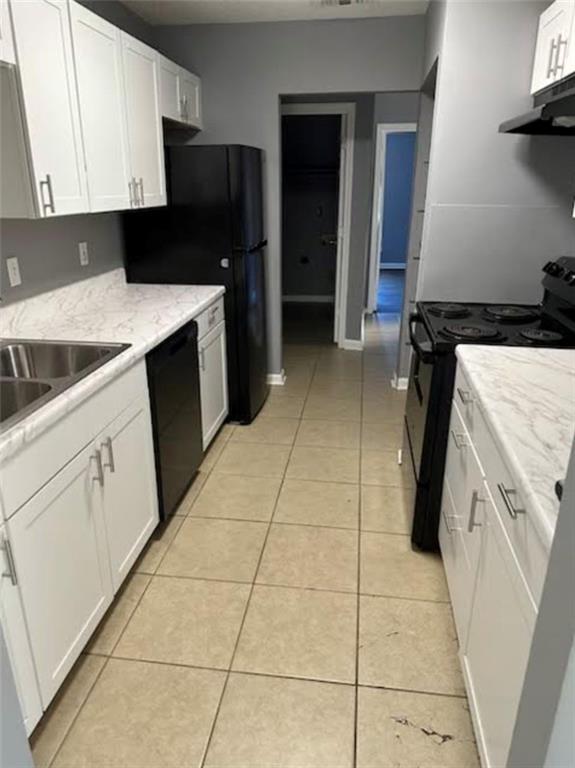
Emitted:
<point x="59" y="546"/>
<point x="141" y="80"/>
<point x="191" y="94"/>
<point x="500" y="632"/>
<point x="46" y="67"/>
<point x="213" y="381"/>
<point x="170" y="97"/>
<point x="7" y="52"/>
<point x="98" y="55"/>
<point x="129" y="490"/>
<point x="552" y="52"/>
<point x="16" y="636"/>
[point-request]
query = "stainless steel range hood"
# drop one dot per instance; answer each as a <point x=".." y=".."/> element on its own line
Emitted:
<point x="556" y="117"/>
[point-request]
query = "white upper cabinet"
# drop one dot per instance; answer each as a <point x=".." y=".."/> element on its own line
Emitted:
<point x="46" y="67"/>
<point x="7" y="52"/>
<point x="98" y="54"/>
<point x="191" y="98"/>
<point x="554" y="52"/>
<point x="180" y="94"/>
<point x="170" y="99"/>
<point x="141" y="80"/>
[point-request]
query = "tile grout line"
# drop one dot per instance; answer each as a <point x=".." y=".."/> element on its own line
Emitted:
<point x="253" y="585"/>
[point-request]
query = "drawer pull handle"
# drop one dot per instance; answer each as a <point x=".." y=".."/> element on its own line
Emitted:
<point x="99" y="478"/>
<point x="446" y="518"/>
<point x="111" y="463"/>
<point x="459" y="440"/>
<point x="473" y="512"/>
<point x="464" y="396"/>
<point x="506" y="494"/>
<point x="11" y="572"/>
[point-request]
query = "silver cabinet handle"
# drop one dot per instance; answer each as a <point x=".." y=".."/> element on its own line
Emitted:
<point x="141" y="186"/>
<point x="10" y="573"/>
<point x="560" y="42"/>
<point x="97" y="457"/>
<point x="111" y="463"/>
<point x="446" y="518"/>
<point x="550" y="68"/>
<point x="459" y="440"/>
<point x="186" y="113"/>
<point x="202" y="359"/>
<point x="464" y="396"/>
<point x="133" y="201"/>
<point x="471" y="524"/>
<point x="506" y="494"/>
<point x="181" y="108"/>
<point x="47" y="182"/>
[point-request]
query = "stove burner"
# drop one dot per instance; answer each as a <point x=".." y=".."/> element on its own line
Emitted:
<point x="539" y="336"/>
<point x="449" y="310"/>
<point x="510" y="313"/>
<point x="471" y="332"/>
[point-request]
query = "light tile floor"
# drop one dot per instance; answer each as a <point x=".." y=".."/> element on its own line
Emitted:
<point x="281" y="619"/>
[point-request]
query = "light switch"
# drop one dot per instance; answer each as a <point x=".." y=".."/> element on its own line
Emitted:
<point x="13" y="271"/>
<point x="83" y="250"/>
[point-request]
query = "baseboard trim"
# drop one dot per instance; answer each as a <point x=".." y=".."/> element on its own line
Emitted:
<point x="277" y="379"/>
<point x="305" y="299"/>
<point x="352" y="345"/>
<point x="399" y="382"/>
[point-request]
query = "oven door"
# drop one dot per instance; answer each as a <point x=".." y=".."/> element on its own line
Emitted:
<point x="418" y="393"/>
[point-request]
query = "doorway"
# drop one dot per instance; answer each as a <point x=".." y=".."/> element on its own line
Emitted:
<point x="317" y="157"/>
<point x="391" y="216"/>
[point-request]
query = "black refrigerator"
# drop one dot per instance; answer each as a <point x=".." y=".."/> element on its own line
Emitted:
<point x="211" y="233"/>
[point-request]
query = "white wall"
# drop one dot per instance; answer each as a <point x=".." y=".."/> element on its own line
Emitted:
<point x="245" y="68"/>
<point x="498" y="206"/>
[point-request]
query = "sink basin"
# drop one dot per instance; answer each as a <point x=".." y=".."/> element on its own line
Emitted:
<point x="48" y="360"/>
<point x="34" y="372"/>
<point x="17" y="395"/>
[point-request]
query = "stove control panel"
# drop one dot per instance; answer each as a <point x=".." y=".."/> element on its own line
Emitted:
<point x="561" y="271"/>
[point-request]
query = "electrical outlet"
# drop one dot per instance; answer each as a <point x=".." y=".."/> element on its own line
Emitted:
<point x="13" y="271"/>
<point x="83" y="250"/>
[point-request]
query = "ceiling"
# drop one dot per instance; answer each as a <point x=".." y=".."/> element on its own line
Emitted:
<point x="159" y="12"/>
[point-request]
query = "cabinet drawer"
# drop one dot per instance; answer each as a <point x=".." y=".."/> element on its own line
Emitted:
<point x="28" y="470"/>
<point x="210" y="317"/>
<point x="526" y="542"/>
<point x="465" y="399"/>
<point x="463" y="468"/>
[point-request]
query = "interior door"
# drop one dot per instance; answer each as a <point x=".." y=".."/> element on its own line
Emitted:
<point x="342" y="233"/>
<point x="397" y="194"/>
<point x="98" y="55"/>
<point x="46" y="67"/>
<point x="61" y="558"/>
<point x="141" y="79"/>
<point x="129" y="491"/>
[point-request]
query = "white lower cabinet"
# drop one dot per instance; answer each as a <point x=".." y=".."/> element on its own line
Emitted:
<point x="213" y="381"/>
<point x="493" y="606"/>
<point x="500" y="632"/>
<point x="16" y="636"/>
<point x="75" y="536"/>
<point x="59" y="546"/>
<point x="129" y="490"/>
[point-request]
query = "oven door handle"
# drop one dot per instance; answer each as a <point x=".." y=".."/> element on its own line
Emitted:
<point x="426" y="356"/>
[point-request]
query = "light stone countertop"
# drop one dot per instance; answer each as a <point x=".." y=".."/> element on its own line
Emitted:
<point x="527" y="396"/>
<point x="102" y="309"/>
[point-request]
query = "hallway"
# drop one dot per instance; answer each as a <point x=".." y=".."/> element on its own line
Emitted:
<point x="281" y="619"/>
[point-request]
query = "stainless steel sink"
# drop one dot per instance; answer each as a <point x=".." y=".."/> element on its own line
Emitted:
<point x="16" y="395"/>
<point x="36" y="360"/>
<point x="34" y="372"/>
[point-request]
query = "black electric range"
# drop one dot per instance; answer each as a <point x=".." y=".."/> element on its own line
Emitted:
<point x="436" y="328"/>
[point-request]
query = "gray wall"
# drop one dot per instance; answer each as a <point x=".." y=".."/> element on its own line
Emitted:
<point x="395" y="108"/>
<point x="47" y="249"/>
<point x="245" y="68"/>
<point x="498" y="206"/>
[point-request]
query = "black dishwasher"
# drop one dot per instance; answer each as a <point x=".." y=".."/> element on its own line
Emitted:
<point x="174" y="384"/>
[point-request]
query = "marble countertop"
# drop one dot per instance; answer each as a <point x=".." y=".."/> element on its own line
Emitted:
<point x="528" y="399"/>
<point x="104" y="309"/>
